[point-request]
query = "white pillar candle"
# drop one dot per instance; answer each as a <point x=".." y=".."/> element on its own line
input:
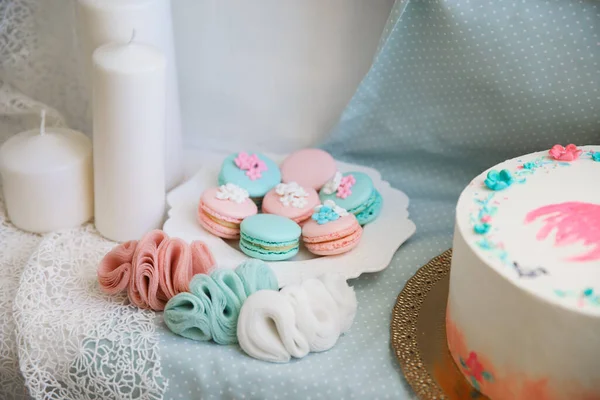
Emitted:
<point x="47" y="179"/>
<point x="108" y="21"/>
<point x="129" y="121"/>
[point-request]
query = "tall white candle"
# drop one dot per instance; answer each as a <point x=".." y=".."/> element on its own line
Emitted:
<point x="47" y="179"/>
<point x="129" y="122"/>
<point x="107" y="21"/>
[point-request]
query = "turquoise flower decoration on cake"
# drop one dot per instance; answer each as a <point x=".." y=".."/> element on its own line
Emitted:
<point x="596" y="156"/>
<point x="328" y="212"/>
<point x="482" y="228"/>
<point x="499" y="180"/>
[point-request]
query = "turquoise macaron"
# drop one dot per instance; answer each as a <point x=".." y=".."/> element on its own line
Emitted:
<point x="251" y="171"/>
<point x="269" y="237"/>
<point x="354" y="191"/>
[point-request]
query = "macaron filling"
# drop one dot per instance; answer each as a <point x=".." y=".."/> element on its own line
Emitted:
<point x="261" y="246"/>
<point x="228" y="224"/>
<point x="335" y="246"/>
<point x="332" y="237"/>
<point x="269" y="237"/>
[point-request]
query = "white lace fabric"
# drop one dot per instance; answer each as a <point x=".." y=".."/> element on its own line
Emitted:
<point x="73" y="341"/>
<point x="67" y="338"/>
<point x="15" y="249"/>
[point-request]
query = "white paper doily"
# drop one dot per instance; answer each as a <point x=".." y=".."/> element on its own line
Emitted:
<point x="379" y="242"/>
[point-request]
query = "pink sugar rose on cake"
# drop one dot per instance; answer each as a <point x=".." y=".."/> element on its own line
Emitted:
<point x="569" y="153"/>
<point x="222" y="210"/>
<point x="292" y="201"/>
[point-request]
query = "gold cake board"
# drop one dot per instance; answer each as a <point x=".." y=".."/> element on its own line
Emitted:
<point x="418" y="335"/>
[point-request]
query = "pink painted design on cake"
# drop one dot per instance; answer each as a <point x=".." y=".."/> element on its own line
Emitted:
<point x="505" y="383"/>
<point x="486" y="219"/>
<point x="569" y="153"/>
<point x="573" y="222"/>
<point x="345" y="188"/>
<point x="253" y="165"/>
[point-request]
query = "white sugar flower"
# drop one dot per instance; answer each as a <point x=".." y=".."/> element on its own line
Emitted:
<point x="292" y="194"/>
<point x="334" y="207"/>
<point x="233" y="193"/>
<point x="332" y="185"/>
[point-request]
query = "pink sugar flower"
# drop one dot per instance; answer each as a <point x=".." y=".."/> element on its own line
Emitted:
<point x="253" y="165"/>
<point x="243" y="161"/>
<point x="569" y="153"/>
<point x="257" y="168"/>
<point x="344" y="190"/>
<point x="474" y="366"/>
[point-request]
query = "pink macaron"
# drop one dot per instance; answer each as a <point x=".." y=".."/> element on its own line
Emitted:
<point x="222" y="210"/>
<point x="292" y="201"/>
<point x="331" y="230"/>
<point x="308" y="167"/>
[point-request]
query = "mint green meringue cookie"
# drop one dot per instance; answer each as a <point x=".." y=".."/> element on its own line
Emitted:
<point x="186" y="316"/>
<point x="211" y="309"/>
<point x="222" y="308"/>
<point x="256" y="275"/>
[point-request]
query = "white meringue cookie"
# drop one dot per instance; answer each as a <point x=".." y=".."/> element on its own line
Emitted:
<point x="310" y="316"/>
<point x="344" y="296"/>
<point x="267" y="330"/>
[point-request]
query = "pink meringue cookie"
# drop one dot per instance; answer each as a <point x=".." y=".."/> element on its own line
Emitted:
<point x="203" y="261"/>
<point x="115" y="268"/>
<point x="144" y="285"/>
<point x="174" y="267"/>
<point x="155" y="269"/>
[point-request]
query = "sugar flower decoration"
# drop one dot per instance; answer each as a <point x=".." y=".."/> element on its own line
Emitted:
<point x="292" y="194"/>
<point x="344" y="190"/>
<point x="233" y="193"/>
<point x="253" y="165"/>
<point x="499" y="180"/>
<point x="596" y="156"/>
<point x="327" y="212"/>
<point x="332" y="185"/>
<point x="569" y="153"/>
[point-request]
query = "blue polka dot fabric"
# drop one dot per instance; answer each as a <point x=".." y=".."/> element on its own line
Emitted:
<point x="456" y="86"/>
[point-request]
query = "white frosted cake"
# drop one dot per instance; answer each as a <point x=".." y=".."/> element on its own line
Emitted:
<point x="523" y="318"/>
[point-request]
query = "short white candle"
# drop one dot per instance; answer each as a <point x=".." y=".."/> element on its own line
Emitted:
<point x="47" y="179"/>
<point x="110" y="21"/>
<point x="129" y="122"/>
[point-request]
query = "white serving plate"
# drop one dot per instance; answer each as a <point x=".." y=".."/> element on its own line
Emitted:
<point x="379" y="242"/>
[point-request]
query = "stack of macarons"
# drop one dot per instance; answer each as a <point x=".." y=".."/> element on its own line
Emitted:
<point x="305" y="199"/>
